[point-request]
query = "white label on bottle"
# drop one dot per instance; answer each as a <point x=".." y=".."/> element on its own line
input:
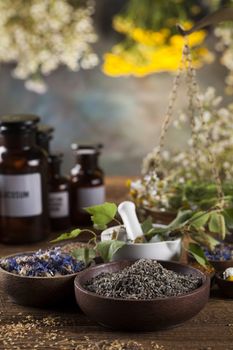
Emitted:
<point x="20" y="195"/>
<point x="59" y="204"/>
<point x="88" y="196"/>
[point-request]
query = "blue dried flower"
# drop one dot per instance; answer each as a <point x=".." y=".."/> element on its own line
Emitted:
<point x="43" y="263"/>
<point x="221" y="252"/>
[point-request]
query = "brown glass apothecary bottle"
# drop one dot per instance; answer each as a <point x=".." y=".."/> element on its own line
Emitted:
<point x="59" y="195"/>
<point x="87" y="183"/>
<point x="44" y="135"/>
<point x="23" y="182"/>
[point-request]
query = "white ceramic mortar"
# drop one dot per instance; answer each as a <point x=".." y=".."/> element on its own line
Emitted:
<point x="165" y="250"/>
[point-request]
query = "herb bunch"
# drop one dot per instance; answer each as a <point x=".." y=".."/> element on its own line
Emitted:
<point x="151" y="43"/>
<point x="184" y="180"/>
<point x="39" y="36"/>
<point x="202" y="228"/>
<point x="101" y="216"/>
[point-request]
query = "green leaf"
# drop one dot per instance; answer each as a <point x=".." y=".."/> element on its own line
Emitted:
<point x="69" y="235"/>
<point x="207" y="203"/>
<point x="181" y="219"/>
<point x="204" y="239"/>
<point x="157" y="231"/>
<point x="176" y="200"/>
<point x="107" y="249"/>
<point x="198" y="254"/>
<point x="102" y="214"/>
<point x="199" y="219"/>
<point x="217" y="224"/>
<point x="85" y="254"/>
<point x="211" y="241"/>
<point x="228" y="215"/>
<point x="147" y="225"/>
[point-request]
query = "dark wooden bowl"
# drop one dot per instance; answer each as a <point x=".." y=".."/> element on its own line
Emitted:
<point x="158" y="217"/>
<point x="221" y="265"/>
<point x="140" y="315"/>
<point x="226" y="287"/>
<point x="218" y="265"/>
<point x="37" y="291"/>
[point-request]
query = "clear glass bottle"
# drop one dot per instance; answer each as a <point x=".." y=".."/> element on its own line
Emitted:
<point x="23" y="182"/>
<point x="44" y="135"/>
<point x="59" y="195"/>
<point x="87" y="183"/>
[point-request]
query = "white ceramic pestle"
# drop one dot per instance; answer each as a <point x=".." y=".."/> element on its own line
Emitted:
<point x="127" y="211"/>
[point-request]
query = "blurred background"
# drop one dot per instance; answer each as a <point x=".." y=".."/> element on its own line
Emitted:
<point x="121" y="109"/>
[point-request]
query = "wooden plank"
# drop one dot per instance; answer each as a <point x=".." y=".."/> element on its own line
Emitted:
<point x="211" y="328"/>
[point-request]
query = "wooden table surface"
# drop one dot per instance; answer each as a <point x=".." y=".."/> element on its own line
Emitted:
<point x="67" y="328"/>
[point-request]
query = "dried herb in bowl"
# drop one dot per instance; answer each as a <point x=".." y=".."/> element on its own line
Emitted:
<point x="221" y="252"/>
<point x="42" y="263"/>
<point x="145" y="279"/>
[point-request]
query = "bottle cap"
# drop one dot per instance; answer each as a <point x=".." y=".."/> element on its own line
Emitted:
<point x="16" y="122"/>
<point x="86" y="149"/>
<point x="45" y="130"/>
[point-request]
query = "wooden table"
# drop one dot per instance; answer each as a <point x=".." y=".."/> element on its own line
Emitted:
<point x="67" y="328"/>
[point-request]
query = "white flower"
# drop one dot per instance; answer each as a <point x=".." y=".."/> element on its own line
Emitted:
<point x="176" y="124"/>
<point x="181" y="180"/>
<point x="166" y="155"/>
<point x="149" y="160"/>
<point x="226" y="165"/>
<point x="210" y="94"/>
<point x="229" y="79"/>
<point x="183" y="117"/>
<point x="190" y="142"/>
<point x="206" y="116"/>
<point x="89" y="61"/>
<point x="217" y="101"/>
<point x="223" y="113"/>
<point x="198" y="124"/>
<point x="57" y="33"/>
<point x="180" y="156"/>
<point x="225" y="44"/>
<point x="137" y="185"/>
<point x="36" y="85"/>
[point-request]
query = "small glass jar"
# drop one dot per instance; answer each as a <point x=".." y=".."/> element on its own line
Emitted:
<point x="59" y="195"/>
<point x="44" y="135"/>
<point x="87" y="183"/>
<point x="23" y="182"/>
